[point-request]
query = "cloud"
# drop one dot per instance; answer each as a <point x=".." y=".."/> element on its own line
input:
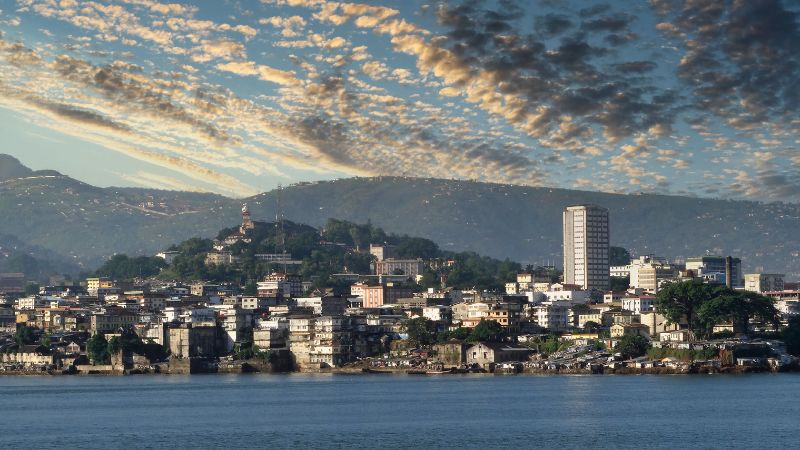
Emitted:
<point x="741" y="58"/>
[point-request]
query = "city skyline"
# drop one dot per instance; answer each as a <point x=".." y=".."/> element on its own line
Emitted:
<point x="677" y="97"/>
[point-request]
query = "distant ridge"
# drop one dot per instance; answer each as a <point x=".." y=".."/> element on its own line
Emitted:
<point x="518" y="222"/>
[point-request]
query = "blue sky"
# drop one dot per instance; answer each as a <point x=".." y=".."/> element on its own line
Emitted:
<point x="693" y="97"/>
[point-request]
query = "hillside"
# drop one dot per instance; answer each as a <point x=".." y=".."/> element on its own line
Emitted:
<point x="516" y="222"/>
<point x="89" y="224"/>
<point x="524" y="223"/>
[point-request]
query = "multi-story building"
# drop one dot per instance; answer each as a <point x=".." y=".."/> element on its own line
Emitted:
<point x="94" y="285"/>
<point x="281" y="285"/>
<point x="408" y="267"/>
<point x="586" y="246"/>
<point x="763" y="282"/>
<point x="375" y="296"/>
<point x="713" y="268"/>
<point x="220" y="258"/>
<point x="380" y="251"/>
<point x="552" y="317"/>
<point x="203" y="289"/>
<point x="12" y="283"/>
<point x="638" y="304"/>
<point x="110" y="320"/>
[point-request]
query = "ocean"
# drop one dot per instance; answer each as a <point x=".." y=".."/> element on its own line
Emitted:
<point x="397" y="411"/>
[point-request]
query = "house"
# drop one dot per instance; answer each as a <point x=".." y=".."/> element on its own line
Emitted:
<point x="634" y="329"/>
<point x="484" y="353"/>
<point x="675" y="336"/>
<point x="31" y="355"/>
<point x="452" y="352"/>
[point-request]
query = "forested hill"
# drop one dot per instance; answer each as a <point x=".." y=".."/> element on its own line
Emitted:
<point x="521" y="223"/>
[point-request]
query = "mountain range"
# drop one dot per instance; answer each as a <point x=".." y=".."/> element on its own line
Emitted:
<point x="87" y="224"/>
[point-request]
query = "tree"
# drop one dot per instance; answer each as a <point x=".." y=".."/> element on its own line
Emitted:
<point x="620" y="283"/>
<point x="486" y="331"/>
<point x="791" y="336"/>
<point x="677" y="301"/>
<point x="23" y="335"/>
<point x="737" y="308"/>
<point x="97" y="349"/>
<point x="591" y="326"/>
<point x="45" y="340"/>
<point x="618" y="256"/>
<point x="421" y="331"/>
<point x="632" y="346"/>
<point x="31" y="289"/>
<point x="460" y="333"/>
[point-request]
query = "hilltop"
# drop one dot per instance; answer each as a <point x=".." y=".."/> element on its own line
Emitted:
<point x="521" y="223"/>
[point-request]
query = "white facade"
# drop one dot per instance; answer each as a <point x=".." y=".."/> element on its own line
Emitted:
<point x="552" y="317"/>
<point x="586" y="246"/>
<point x="763" y="282"/>
<point x="638" y="304"/>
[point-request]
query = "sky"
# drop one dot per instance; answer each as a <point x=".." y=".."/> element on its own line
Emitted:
<point x="688" y="97"/>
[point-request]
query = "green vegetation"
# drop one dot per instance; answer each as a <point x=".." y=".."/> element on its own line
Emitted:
<point x="333" y="249"/>
<point x="122" y="267"/>
<point x="248" y="350"/>
<point x="791" y="336"/>
<point x="421" y="331"/>
<point x="618" y="256"/>
<point x="619" y="283"/>
<point x="632" y="346"/>
<point x="97" y="348"/>
<point x="486" y="331"/>
<point x="705" y="305"/>
<point x="24" y="335"/>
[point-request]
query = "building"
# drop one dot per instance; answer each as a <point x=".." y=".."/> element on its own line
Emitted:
<point x="586" y="246"/>
<point x="763" y="282"/>
<point x="168" y="256"/>
<point x="638" y="304"/>
<point x="94" y="285"/>
<point x="408" y="267"/>
<point x="111" y="319"/>
<point x="714" y="268"/>
<point x="247" y="222"/>
<point x="203" y="290"/>
<point x="553" y="317"/>
<point x="12" y="283"/>
<point x="189" y="341"/>
<point x="220" y="258"/>
<point x="381" y="251"/>
<point x="646" y="272"/>
<point x="375" y="296"/>
<point x="281" y="285"/>
<point x="485" y="353"/>
<point x="633" y="329"/>
<point x="452" y="353"/>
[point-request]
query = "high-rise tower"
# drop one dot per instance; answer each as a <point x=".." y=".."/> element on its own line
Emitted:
<point x="586" y="242"/>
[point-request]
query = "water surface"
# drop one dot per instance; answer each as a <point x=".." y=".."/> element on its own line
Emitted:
<point x="384" y="411"/>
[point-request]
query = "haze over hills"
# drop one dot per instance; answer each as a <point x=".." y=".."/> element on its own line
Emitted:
<point x="88" y="224"/>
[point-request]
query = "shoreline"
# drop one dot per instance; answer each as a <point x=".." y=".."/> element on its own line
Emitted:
<point x="407" y="372"/>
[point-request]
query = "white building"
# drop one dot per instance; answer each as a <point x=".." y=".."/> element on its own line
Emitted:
<point x="639" y="304"/>
<point x="586" y="246"/>
<point x="763" y="282"/>
<point x="552" y="317"/>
